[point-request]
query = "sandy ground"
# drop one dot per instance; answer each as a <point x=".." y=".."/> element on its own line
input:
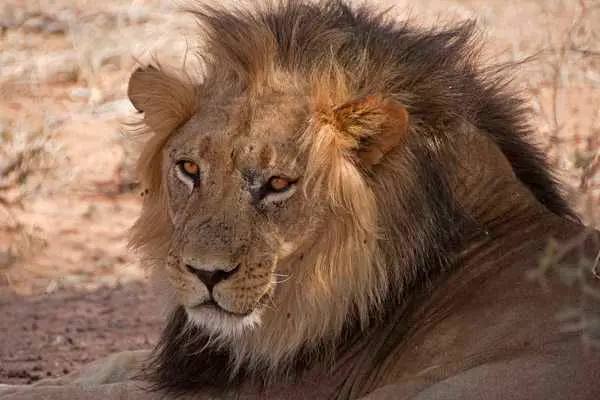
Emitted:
<point x="48" y="336"/>
<point x="69" y="289"/>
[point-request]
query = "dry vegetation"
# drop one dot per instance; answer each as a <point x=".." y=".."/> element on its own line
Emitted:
<point x="571" y="116"/>
<point x="66" y="182"/>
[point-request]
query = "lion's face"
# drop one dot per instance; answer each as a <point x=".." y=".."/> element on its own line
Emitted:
<point x="260" y="210"/>
<point x="236" y="208"/>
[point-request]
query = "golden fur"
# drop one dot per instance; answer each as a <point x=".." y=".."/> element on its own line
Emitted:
<point x="354" y="234"/>
<point x="331" y="174"/>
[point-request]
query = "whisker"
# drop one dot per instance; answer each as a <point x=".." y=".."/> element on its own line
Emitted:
<point x="276" y="282"/>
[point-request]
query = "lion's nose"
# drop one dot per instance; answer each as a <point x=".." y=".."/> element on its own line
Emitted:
<point x="210" y="277"/>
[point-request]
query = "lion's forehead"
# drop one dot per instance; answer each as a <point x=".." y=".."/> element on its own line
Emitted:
<point x="264" y="138"/>
<point x="253" y="155"/>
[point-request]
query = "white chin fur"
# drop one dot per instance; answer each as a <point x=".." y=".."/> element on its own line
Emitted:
<point x="222" y="325"/>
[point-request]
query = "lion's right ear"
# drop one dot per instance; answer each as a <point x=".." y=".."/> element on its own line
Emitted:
<point x="164" y="99"/>
<point x="370" y="127"/>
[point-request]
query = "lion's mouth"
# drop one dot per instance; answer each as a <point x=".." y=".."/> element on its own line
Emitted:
<point x="211" y="304"/>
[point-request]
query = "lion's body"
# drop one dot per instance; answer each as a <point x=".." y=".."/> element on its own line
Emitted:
<point x="348" y="207"/>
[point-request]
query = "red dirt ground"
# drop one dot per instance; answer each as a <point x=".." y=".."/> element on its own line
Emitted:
<point x="52" y="335"/>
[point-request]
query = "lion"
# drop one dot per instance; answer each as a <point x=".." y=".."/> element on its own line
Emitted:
<point x="346" y="207"/>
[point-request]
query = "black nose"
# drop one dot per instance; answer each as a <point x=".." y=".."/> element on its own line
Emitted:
<point x="211" y="278"/>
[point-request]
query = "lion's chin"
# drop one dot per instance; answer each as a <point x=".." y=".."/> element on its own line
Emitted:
<point x="219" y="322"/>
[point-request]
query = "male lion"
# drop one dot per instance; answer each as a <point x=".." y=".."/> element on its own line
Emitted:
<point x="346" y="207"/>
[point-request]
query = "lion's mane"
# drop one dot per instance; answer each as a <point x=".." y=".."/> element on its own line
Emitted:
<point x="344" y="53"/>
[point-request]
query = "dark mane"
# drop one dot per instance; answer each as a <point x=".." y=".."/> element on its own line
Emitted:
<point x="434" y="73"/>
<point x="430" y="71"/>
<point x="184" y="359"/>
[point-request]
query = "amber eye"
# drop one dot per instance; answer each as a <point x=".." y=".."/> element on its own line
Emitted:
<point x="277" y="184"/>
<point x="190" y="168"/>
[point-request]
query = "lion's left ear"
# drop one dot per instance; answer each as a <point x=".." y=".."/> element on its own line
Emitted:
<point x="165" y="99"/>
<point x="373" y="126"/>
<point x="137" y="85"/>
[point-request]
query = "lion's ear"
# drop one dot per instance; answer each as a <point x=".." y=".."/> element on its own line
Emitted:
<point x="139" y="82"/>
<point x="374" y="125"/>
<point x="162" y="97"/>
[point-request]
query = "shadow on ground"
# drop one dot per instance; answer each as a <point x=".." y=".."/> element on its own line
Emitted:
<point x="54" y="334"/>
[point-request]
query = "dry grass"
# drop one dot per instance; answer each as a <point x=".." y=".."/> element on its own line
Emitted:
<point x="569" y="63"/>
<point x="570" y="60"/>
<point x="64" y="68"/>
<point x="26" y="163"/>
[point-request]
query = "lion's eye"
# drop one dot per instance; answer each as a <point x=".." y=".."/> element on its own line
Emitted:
<point x="278" y="184"/>
<point x="189" y="169"/>
<point x="277" y="189"/>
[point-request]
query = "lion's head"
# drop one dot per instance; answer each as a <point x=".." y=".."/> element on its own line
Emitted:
<point x="297" y="191"/>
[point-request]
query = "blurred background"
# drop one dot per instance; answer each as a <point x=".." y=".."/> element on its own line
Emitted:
<point x="68" y="192"/>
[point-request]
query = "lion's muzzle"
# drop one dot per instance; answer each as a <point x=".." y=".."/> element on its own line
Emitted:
<point x="211" y="276"/>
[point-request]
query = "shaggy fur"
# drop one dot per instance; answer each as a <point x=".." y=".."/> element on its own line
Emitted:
<point x="384" y="108"/>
